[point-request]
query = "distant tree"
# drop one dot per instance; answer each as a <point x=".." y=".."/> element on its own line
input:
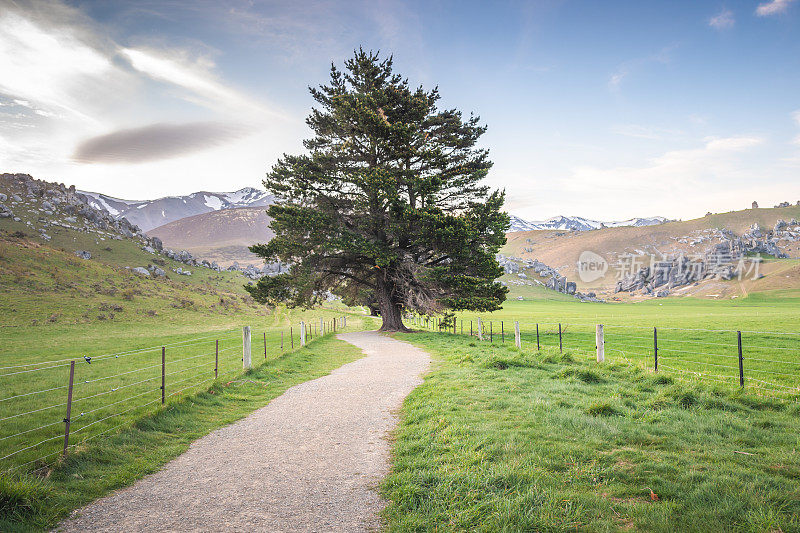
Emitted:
<point x="386" y="206"/>
<point x="755" y="205"/>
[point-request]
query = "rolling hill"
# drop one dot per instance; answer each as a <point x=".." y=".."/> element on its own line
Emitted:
<point x="222" y="236"/>
<point x="562" y="249"/>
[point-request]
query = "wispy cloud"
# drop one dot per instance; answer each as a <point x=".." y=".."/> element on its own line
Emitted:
<point x="723" y="20"/>
<point x="195" y="76"/>
<point x="676" y="178"/>
<point x="156" y="141"/>
<point x="616" y="78"/>
<point x="663" y="56"/>
<point x="773" y="7"/>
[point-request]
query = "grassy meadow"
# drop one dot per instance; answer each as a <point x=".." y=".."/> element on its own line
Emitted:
<point x="56" y="307"/>
<point x="697" y="338"/>
<point x="500" y="439"/>
<point x="144" y="444"/>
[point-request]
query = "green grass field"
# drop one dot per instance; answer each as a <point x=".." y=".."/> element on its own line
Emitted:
<point x="697" y="339"/>
<point x="144" y="445"/>
<point x="498" y="439"/>
<point x="56" y="308"/>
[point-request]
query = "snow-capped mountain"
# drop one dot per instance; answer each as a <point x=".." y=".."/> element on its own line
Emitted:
<point x="579" y="223"/>
<point x="149" y="214"/>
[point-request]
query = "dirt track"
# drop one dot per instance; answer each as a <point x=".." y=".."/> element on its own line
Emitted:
<point x="308" y="461"/>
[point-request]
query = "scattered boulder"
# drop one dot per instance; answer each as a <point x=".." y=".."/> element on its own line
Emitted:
<point x="83" y="254"/>
<point x="141" y="271"/>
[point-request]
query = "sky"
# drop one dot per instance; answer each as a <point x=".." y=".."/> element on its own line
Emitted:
<point x="606" y="110"/>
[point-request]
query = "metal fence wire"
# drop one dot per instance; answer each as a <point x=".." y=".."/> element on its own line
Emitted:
<point x="48" y="408"/>
<point x="757" y="361"/>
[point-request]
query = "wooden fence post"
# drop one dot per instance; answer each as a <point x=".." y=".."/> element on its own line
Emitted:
<point x="491" y="333"/>
<point x="321" y="326"/>
<point x="302" y="333"/>
<point x="163" y="375"/>
<point x="281" y="340"/>
<point x="560" y="346"/>
<point x="480" y="329"/>
<point x="69" y="405"/>
<point x="246" y="363"/>
<point x="216" y="360"/>
<point x="517" y="340"/>
<point x="537" y="338"/>
<point x="655" y="348"/>
<point x="601" y="346"/>
<point x="741" y="360"/>
<point x="265" y="345"/>
<point x="291" y="336"/>
<point x="502" y="332"/>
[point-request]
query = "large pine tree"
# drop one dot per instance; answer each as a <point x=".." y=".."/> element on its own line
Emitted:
<point x="386" y="207"/>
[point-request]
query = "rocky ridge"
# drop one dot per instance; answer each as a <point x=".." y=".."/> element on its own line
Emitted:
<point x="526" y="268"/>
<point x="41" y="205"/>
<point x="728" y="256"/>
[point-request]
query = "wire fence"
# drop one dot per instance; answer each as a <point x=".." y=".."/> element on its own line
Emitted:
<point x="48" y="408"/>
<point x="759" y="361"/>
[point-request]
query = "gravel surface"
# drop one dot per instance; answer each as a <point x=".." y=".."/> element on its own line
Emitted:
<point x="310" y="460"/>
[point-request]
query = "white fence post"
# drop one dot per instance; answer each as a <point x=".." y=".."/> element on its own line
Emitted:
<point x="302" y="333"/>
<point x="246" y="348"/>
<point x="321" y="327"/>
<point x="480" y="329"/>
<point x="601" y="348"/>
<point x="517" y="340"/>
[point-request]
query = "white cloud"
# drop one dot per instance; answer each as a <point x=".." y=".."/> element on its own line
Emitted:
<point x="195" y="76"/>
<point x="685" y="182"/>
<point x="722" y="21"/>
<point x="773" y="7"/>
<point x="662" y="56"/>
<point x="52" y="68"/>
<point x="64" y="83"/>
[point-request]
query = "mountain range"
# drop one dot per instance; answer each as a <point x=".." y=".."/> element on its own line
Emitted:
<point x="579" y="223"/>
<point x="220" y="226"/>
<point x="149" y="214"/>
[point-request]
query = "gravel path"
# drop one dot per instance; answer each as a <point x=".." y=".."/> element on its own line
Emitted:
<point x="308" y="461"/>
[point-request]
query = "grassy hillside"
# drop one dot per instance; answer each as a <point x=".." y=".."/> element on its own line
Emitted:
<point x="222" y="236"/>
<point x="498" y="439"/>
<point x="56" y="307"/>
<point x="561" y="250"/>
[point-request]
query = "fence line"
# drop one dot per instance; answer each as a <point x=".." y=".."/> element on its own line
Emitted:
<point x="28" y="433"/>
<point x="698" y="348"/>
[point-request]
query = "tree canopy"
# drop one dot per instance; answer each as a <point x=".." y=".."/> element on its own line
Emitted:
<point x="387" y="206"/>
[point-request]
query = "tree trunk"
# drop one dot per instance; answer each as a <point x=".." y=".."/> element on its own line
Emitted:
<point x="390" y="310"/>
